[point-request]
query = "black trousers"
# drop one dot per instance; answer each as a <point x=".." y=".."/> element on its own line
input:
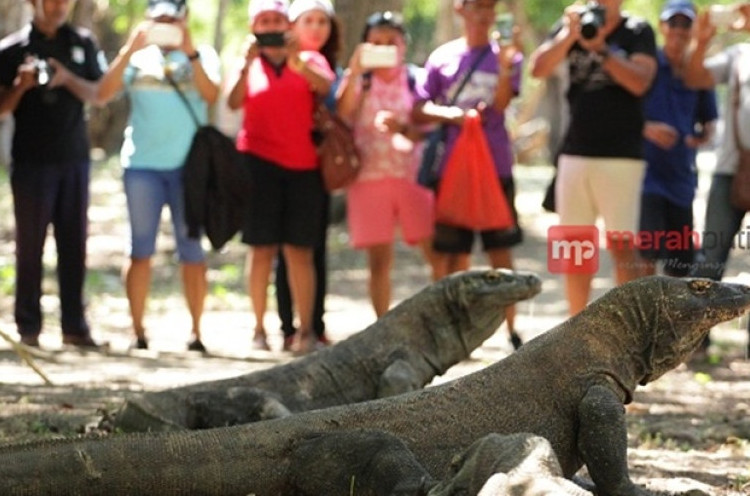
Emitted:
<point x="283" y="293"/>
<point x="45" y="194"/>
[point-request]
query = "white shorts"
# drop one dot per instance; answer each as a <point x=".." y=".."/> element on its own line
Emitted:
<point x="588" y="187"/>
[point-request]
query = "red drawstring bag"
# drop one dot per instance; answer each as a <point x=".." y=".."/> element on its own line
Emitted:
<point x="469" y="194"/>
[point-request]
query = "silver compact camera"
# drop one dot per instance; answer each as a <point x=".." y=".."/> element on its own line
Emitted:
<point x="164" y="34"/>
<point x="374" y="56"/>
<point x="43" y="72"/>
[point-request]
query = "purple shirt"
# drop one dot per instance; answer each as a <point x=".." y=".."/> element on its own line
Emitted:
<point x="446" y="67"/>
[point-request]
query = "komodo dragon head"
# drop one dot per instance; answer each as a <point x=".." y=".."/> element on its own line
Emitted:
<point x="671" y="316"/>
<point x="481" y="296"/>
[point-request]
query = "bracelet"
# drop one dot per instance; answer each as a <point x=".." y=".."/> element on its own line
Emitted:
<point x="194" y="56"/>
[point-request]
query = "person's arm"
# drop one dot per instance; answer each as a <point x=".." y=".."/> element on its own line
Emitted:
<point x="634" y="73"/>
<point x="11" y="96"/>
<point x="550" y="54"/>
<point x="509" y="60"/>
<point x="81" y="88"/>
<point x="239" y="84"/>
<point x="112" y="82"/>
<point x="207" y="88"/>
<point x="695" y="74"/>
<point x="350" y="95"/>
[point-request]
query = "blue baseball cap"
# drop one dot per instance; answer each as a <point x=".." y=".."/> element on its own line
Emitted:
<point x="677" y="7"/>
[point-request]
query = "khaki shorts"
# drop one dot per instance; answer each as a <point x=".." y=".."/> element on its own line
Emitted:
<point x="589" y="187"/>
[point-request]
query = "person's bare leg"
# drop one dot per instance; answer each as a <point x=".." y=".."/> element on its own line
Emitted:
<point x="260" y="259"/>
<point x="440" y="263"/>
<point x="137" y="275"/>
<point x="502" y="258"/>
<point x="301" y="273"/>
<point x="195" y="287"/>
<point x="380" y="259"/>
<point x="425" y="246"/>
<point x="626" y="264"/>
<point x="458" y="262"/>
<point x="577" y="290"/>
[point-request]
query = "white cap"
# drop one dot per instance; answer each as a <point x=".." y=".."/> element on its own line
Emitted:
<point x="259" y="6"/>
<point x="299" y="7"/>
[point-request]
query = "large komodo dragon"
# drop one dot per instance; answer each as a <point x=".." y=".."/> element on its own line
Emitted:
<point x="422" y="337"/>
<point x="568" y="386"/>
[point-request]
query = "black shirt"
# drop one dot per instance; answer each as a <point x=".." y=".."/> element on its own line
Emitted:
<point x="50" y="123"/>
<point x="606" y="120"/>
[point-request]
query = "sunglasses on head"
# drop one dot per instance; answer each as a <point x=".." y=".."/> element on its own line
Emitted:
<point x="680" y="22"/>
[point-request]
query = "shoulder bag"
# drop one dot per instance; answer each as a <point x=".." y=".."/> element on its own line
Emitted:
<point x="434" y="150"/>
<point x="339" y="160"/>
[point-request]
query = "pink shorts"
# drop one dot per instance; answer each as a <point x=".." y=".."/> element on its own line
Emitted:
<point x="374" y="208"/>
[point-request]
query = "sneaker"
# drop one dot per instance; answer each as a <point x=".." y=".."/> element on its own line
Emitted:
<point x="323" y="340"/>
<point x="139" y="344"/>
<point x="303" y="344"/>
<point x="260" y="343"/>
<point x="83" y="342"/>
<point x="515" y="340"/>
<point x="288" y="342"/>
<point x="30" y="340"/>
<point x="196" y="345"/>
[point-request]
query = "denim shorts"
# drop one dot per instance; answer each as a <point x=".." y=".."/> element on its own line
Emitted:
<point x="146" y="192"/>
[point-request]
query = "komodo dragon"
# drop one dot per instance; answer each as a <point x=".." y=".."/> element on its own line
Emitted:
<point x="404" y="350"/>
<point x="568" y="386"/>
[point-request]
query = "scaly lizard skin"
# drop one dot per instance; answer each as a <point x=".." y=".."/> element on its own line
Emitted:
<point x="568" y="386"/>
<point x="420" y="338"/>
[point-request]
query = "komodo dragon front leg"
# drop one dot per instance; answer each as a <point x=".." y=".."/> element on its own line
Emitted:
<point x="603" y="442"/>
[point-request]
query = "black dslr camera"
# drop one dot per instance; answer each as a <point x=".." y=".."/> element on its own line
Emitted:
<point x="43" y="71"/>
<point x="592" y="18"/>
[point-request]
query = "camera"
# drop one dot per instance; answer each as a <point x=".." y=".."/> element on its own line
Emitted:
<point x="164" y="34"/>
<point x="43" y="71"/>
<point x="373" y="56"/>
<point x="723" y="16"/>
<point x="275" y="39"/>
<point x="592" y="18"/>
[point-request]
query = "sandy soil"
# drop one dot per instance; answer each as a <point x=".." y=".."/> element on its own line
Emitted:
<point x="687" y="431"/>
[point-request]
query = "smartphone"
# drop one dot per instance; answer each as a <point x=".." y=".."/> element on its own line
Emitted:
<point x="723" y="16"/>
<point x="274" y="39"/>
<point x="374" y="56"/>
<point x="504" y="27"/>
<point x="164" y="34"/>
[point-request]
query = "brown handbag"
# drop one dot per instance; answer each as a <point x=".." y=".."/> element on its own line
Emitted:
<point x="339" y="160"/>
<point x="739" y="195"/>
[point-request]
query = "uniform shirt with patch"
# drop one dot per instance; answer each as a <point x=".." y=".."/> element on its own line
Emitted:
<point x="50" y="122"/>
<point x="160" y="127"/>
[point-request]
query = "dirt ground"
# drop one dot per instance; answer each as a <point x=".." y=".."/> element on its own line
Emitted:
<point x="689" y="431"/>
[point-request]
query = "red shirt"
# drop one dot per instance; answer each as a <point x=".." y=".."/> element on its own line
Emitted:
<point x="278" y="114"/>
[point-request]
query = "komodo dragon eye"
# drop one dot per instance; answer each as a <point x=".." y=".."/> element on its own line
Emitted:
<point x="700" y="286"/>
<point x="496" y="276"/>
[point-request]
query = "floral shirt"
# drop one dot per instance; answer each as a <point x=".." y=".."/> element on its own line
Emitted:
<point x="384" y="154"/>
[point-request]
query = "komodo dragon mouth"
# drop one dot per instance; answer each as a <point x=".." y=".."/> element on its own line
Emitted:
<point x="686" y="311"/>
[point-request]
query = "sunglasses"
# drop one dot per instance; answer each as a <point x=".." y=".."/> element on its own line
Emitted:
<point x="680" y="22"/>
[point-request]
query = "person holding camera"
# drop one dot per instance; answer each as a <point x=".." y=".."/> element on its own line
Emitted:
<point x="170" y="83"/>
<point x="48" y="71"/>
<point x="610" y="57"/>
<point x="276" y="88"/>
<point x="469" y="74"/>
<point x="376" y="96"/>
<point x="723" y="219"/>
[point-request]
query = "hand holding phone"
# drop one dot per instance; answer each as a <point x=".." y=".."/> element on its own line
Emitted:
<point x="274" y="39"/>
<point x="378" y="56"/>
<point x="164" y="34"/>
<point x="504" y="28"/>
